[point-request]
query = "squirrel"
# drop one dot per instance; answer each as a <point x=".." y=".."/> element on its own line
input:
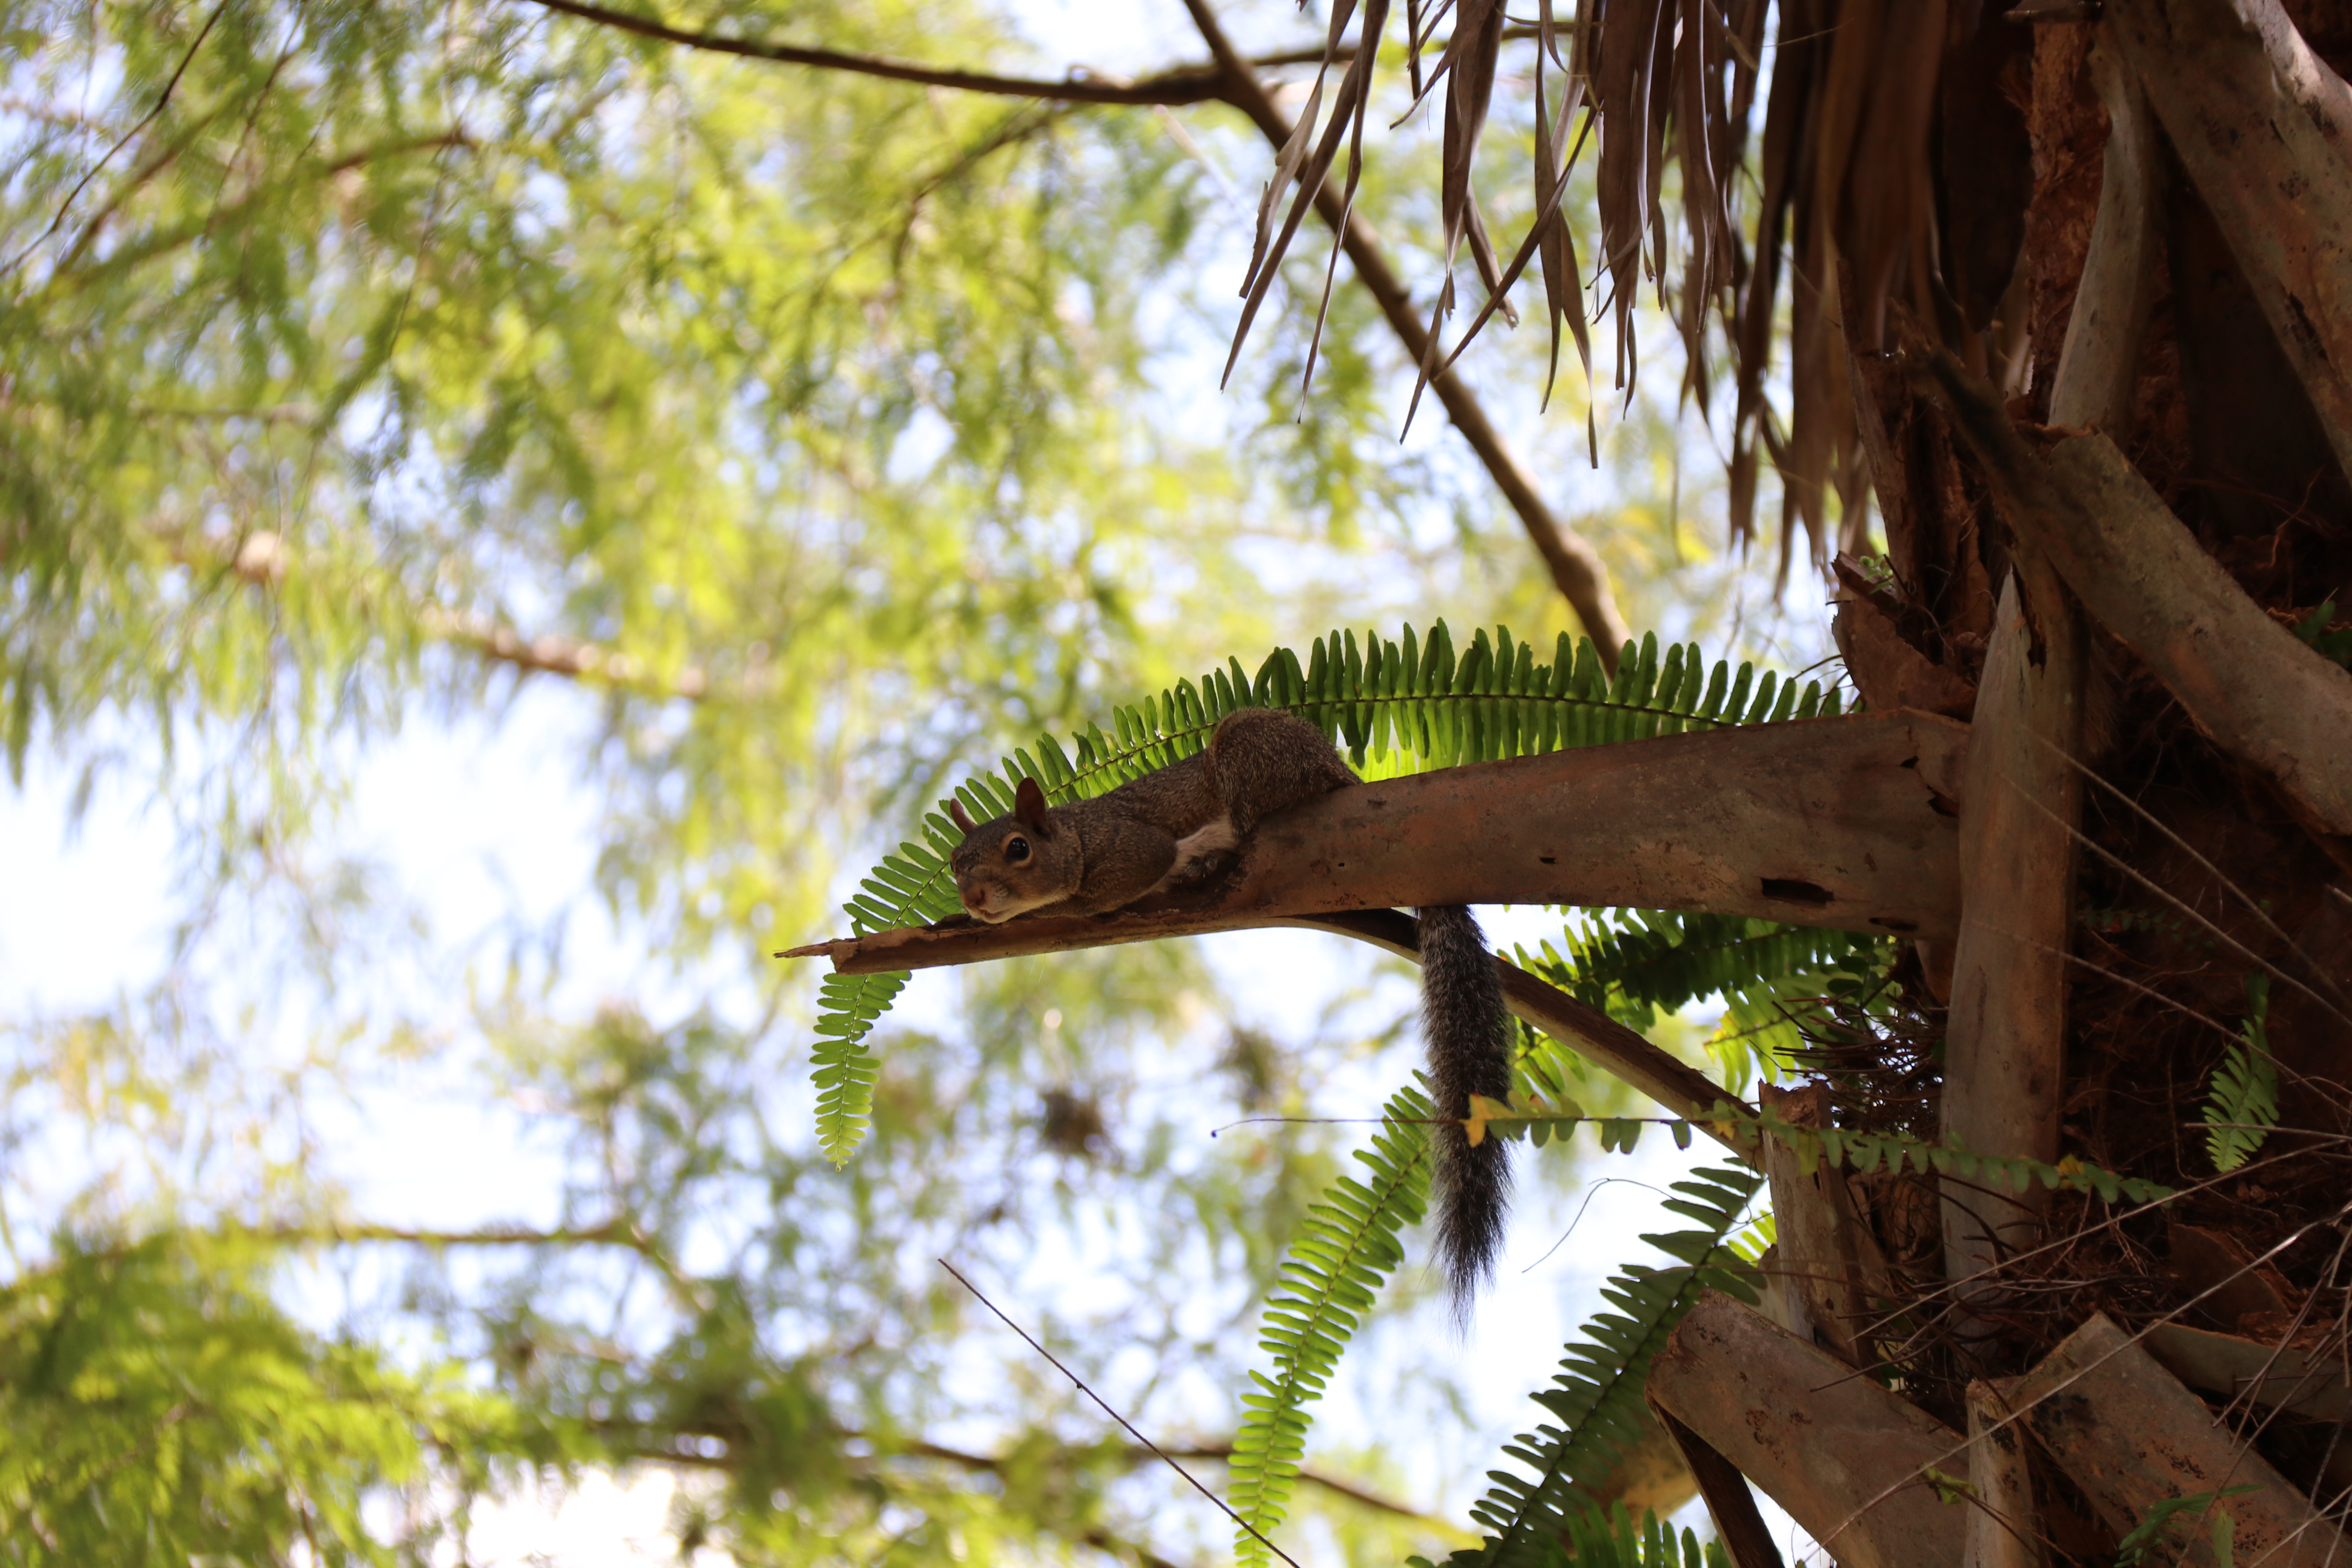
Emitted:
<point x="1175" y="827"/>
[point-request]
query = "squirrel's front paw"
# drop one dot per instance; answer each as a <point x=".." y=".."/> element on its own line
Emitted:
<point x="1201" y="868"/>
<point x="952" y="922"/>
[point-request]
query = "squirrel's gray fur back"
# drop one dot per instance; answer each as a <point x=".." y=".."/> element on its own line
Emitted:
<point x="1468" y="1033"/>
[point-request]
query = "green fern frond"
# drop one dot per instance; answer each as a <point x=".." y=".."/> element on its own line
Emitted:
<point x="1636" y="964"/>
<point x="843" y="1072"/>
<point x="1763" y="1232"/>
<point x="1395" y="707"/>
<point x="2319" y="631"/>
<point x="2243" y="1105"/>
<point x="1341" y="1255"/>
<point x="1863" y="1152"/>
<point x="1613" y="1540"/>
<point x="1597" y="1396"/>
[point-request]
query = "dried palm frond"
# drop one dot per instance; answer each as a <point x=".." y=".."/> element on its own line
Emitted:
<point x="1860" y="207"/>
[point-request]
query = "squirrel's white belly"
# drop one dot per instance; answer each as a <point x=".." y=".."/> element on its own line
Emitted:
<point x="1215" y="838"/>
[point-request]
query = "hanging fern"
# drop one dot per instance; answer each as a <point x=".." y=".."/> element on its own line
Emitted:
<point x="1612" y="1541"/>
<point x="1864" y="1153"/>
<point x="1395" y="707"/>
<point x="1342" y="1254"/>
<point x="1597" y="1394"/>
<point x="1636" y="964"/>
<point x="2243" y="1106"/>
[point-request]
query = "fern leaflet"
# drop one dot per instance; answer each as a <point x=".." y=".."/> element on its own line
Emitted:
<point x="1597" y="1393"/>
<point x="2243" y="1106"/>
<point x="2329" y="640"/>
<point x="1343" y="1253"/>
<point x="1396" y="706"/>
<point x="1598" y="1540"/>
<point x="1634" y="965"/>
<point x="1865" y="1151"/>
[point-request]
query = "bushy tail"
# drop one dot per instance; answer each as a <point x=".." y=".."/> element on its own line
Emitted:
<point x="1469" y="1039"/>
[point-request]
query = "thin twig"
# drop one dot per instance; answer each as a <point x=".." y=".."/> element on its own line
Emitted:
<point x="1080" y="1384"/>
<point x="1183" y="85"/>
<point x="1575" y="566"/>
<point x="162" y="102"/>
<point x="2130" y="1341"/>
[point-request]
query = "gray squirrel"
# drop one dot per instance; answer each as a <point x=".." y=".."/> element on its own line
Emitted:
<point x="1175" y="827"/>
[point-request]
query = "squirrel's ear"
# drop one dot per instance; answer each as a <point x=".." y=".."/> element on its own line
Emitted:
<point x="956" y="814"/>
<point x="1029" y="808"/>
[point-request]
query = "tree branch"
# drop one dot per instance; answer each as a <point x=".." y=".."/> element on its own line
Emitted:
<point x="1824" y="1444"/>
<point x="1182" y="85"/>
<point x="261" y="560"/>
<point x="1843" y="823"/>
<point x="612" y="1233"/>
<point x="2260" y="123"/>
<point x="1576" y="567"/>
<point x="1135" y="1453"/>
<point x="1174" y="86"/>
<point x="2246" y="681"/>
<point x="568" y="656"/>
<point x="990" y="1464"/>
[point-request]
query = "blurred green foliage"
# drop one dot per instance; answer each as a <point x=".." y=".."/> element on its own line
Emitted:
<point x="809" y="436"/>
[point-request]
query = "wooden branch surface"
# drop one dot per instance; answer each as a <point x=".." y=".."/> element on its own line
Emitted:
<point x="2129" y="1435"/>
<point x="2004" y="1526"/>
<point x="1824" y="822"/>
<point x="1739" y="1522"/>
<point x="1840" y="822"/>
<point x="1821" y="1440"/>
<point x="2005" y="1049"/>
<point x="2259" y="123"/>
<point x="2234" y="1367"/>
<point x="2245" y="681"/>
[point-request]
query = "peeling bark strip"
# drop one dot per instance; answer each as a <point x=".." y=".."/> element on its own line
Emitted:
<point x="2245" y="681"/>
<point x="2004" y="1525"/>
<point x="2098" y="367"/>
<point x="2003" y="1066"/>
<point x="2005" y="1053"/>
<point x="1829" y="1263"/>
<point x="2128" y="1434"/>
<point x="1824" y="1443"/>
<point x="2258" y="121"/>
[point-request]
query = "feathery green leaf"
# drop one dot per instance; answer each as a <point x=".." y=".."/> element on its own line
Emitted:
<point x="1346" y="1249"/>
<point x="1394" y="706"/>
<point x="1596" y="1396"/>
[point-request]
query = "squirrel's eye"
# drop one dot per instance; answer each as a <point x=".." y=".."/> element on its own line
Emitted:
<point x="1016" y="849"/>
